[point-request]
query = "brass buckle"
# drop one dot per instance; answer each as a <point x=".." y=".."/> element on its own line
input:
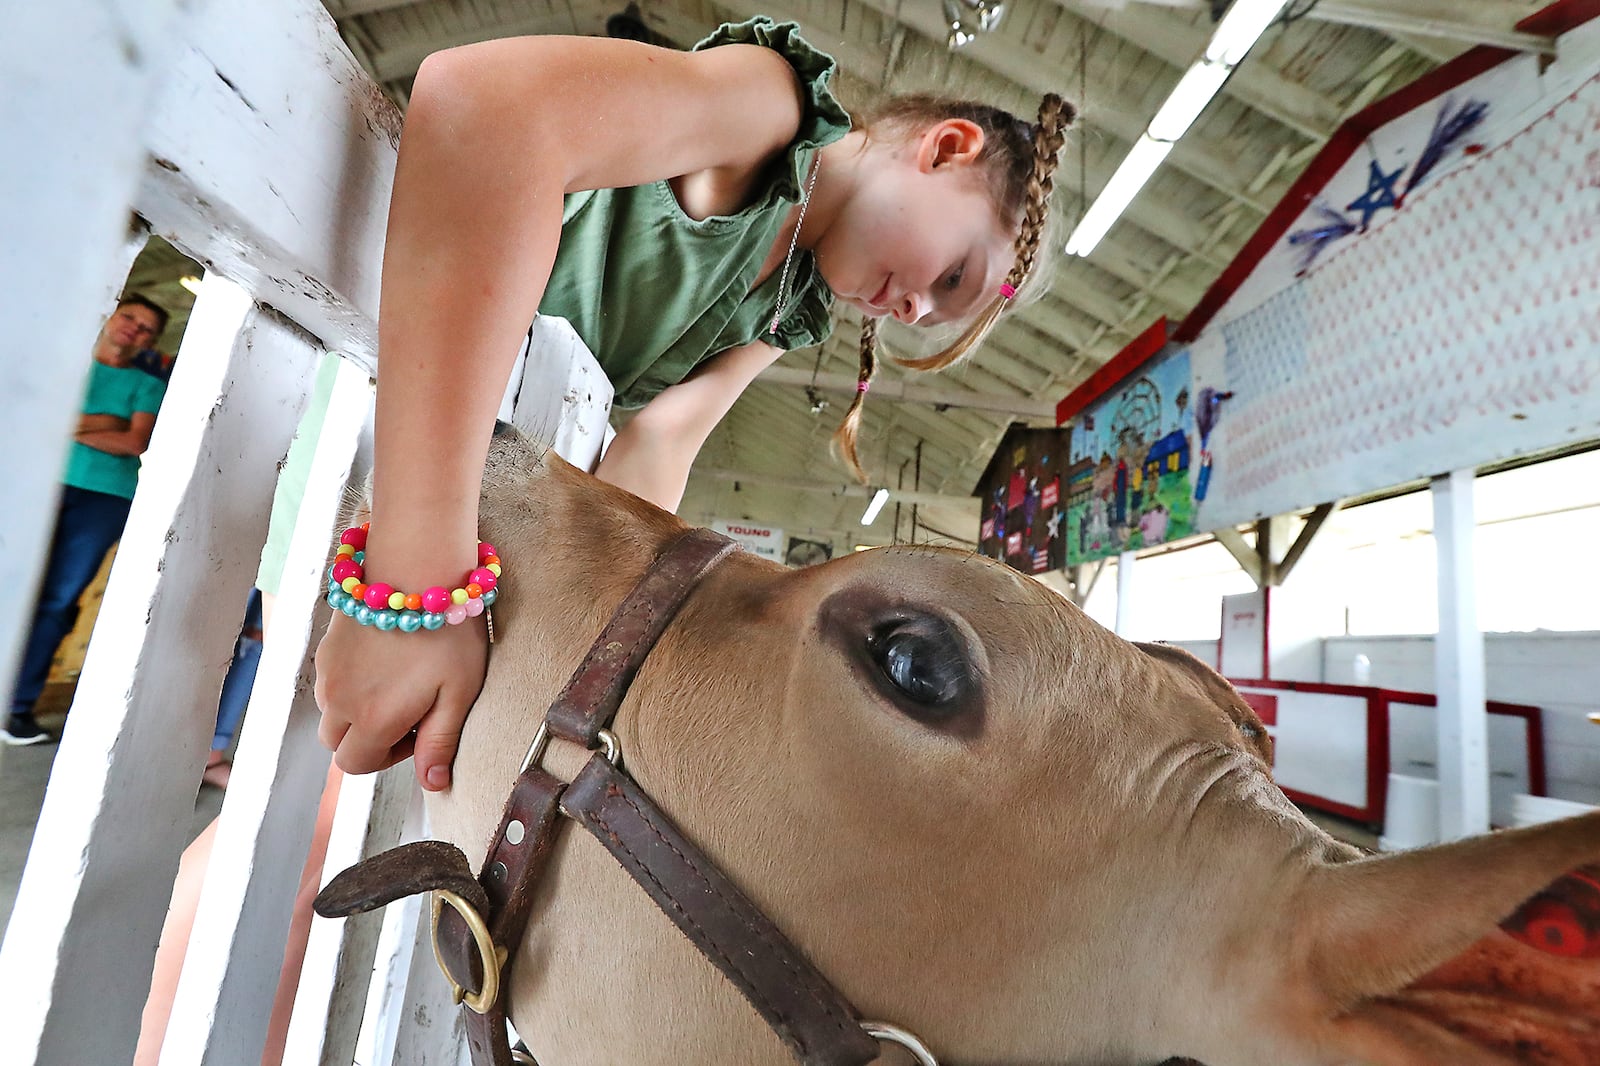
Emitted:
<point x="492" y="957"/>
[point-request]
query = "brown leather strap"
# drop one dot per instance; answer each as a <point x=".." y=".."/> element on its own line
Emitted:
<point x="590" y="700"/>
<point x="418" y="867"/>
<point x="421" y="866"/>
<point x="813" y="1018"/>
<point x="509" y="876"/>
<point x="585" y="706"/>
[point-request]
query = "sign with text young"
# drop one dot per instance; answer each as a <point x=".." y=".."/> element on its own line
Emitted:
<point x="757" y="539"/>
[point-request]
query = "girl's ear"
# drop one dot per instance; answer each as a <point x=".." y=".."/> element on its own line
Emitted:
<point x="949" y="142"/>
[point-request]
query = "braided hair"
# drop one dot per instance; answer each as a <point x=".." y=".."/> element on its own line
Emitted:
<point x="1028" y="155"/>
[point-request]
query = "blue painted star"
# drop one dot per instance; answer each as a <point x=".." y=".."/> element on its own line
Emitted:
<point x="1380" y="193"/>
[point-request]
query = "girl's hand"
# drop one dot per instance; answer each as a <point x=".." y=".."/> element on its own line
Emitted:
<point x="376" y="688"/>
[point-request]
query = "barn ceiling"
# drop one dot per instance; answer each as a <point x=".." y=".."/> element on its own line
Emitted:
<point x="768" y="462"/>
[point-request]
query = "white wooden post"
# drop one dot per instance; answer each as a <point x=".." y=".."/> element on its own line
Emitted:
<point x="220" y="1015"/>
<point x="330" y="1002"/>
<point x="92" y="897"/>
<point x="1125" y="613"/>
<point x="269" y="156"/>
<point x="397" y="943"/>
<point x="1463" y="720"/>
<point x="77" y="77"/>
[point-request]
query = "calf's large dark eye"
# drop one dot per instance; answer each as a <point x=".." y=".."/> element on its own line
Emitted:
<point x="925" y="660"/>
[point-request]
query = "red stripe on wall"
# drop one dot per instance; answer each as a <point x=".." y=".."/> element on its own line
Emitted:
<point x="1560" y="17"/>
<point x="1138" y="352"/>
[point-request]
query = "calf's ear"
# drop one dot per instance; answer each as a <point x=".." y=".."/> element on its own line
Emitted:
<point x="1481" y="951"/>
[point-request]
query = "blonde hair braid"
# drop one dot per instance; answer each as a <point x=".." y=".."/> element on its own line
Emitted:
<point x="845" y="437"/>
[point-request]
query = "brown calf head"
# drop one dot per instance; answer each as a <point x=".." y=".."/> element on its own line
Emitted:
<point x="986" y="819"/>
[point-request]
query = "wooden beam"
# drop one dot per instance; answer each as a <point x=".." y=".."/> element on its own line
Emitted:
<point x="1272" y="542"/>
<point x="836" y="488"/>
<point x="901" y="390"/>
<point x="1242" y="552"/>
<point x="1308" y="533"/>
<point x="1084" y="577"/>
<point x="1179" y="41"/>
<point x="1481" y="22"/>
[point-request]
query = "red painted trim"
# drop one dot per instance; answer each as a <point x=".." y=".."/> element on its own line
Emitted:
<point x="1537" y="783"/>
<point x="1304" y="686"/>
<point x="1560" y="17"/>
<point x="1138" y="352"/>
<point x="1379" y="701"/>
<point x="1264" y="704"/>
<point x="1378" y="758"/>
<point x="1343" y="810"/>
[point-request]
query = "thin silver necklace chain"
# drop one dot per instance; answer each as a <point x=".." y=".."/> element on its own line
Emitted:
<point x="783" y="279"/>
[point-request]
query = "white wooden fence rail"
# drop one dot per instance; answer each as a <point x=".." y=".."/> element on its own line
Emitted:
<point x="245" y="133"/>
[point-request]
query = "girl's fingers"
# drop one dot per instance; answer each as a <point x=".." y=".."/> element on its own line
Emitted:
<point x="438" y="735"/>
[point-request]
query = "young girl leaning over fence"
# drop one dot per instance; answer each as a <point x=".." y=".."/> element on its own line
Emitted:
<point x="693" y="215"/>
<point x="735" y="205"/>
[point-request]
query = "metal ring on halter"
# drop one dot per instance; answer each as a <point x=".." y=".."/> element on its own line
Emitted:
<point x="522" y="1058"/>
<point x="541" y="742"/>
<point x="884" y="1033"/>
<point x="493" y="958"/>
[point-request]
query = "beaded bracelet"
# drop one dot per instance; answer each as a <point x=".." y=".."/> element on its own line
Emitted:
<point x="382" y="605"/>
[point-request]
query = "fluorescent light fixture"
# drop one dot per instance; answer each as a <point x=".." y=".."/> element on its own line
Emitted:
<point x="1189" y="97"/>
<point x="190" y="282"/>
<point x="1235" y="35"/>
<point x="1124" y="185"/>
<point x="1240" y="28"/>
<point x="879" y="498"/>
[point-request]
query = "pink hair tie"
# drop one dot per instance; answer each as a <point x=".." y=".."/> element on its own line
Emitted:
<point x="863" y="386"/>
<point x="1007" y="291"/>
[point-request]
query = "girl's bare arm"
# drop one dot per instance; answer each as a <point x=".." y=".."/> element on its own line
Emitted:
<point x="652" y="454"/>
<point x="495" y="135"/>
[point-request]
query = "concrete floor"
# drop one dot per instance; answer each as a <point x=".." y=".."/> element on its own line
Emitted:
<point x="24" y="773"/>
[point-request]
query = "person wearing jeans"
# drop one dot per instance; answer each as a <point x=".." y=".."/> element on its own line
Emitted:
<point x="119" y="413"/>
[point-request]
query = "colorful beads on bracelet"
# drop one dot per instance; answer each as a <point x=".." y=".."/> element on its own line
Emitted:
<point x="386" y="607"/>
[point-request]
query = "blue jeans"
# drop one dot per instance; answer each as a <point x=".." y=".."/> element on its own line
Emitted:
<point x="241" y="675"/>
<point x="87" y="525"/>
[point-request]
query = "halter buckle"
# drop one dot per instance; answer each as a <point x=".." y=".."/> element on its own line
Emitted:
<point x="493" y="958"/>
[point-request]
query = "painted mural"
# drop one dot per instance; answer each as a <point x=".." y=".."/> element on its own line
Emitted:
<point x="1139" y="462"/>
<point x="1022" y="515"/>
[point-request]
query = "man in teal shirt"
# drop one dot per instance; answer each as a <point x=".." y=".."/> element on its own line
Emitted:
<point x="119" y="411"/>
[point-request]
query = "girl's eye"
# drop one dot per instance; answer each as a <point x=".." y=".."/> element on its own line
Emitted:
<point x="952" y="281"/>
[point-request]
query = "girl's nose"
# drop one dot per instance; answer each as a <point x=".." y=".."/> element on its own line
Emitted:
<point x="911" y="308"/>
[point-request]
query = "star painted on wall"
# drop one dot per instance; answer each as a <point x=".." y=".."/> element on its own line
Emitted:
<point x="1380" y="193"/>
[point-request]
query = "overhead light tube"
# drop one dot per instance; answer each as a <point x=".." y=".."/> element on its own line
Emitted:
<point x="1240" y="28"/>
<point x="1235" y="35"/>
<point x="879" y="498"/>
<point x="1189" y="97"/>
<point x="1124" y="185"/>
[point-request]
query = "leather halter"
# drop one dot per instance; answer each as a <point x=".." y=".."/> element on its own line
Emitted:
<point x="480" y="922"/>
